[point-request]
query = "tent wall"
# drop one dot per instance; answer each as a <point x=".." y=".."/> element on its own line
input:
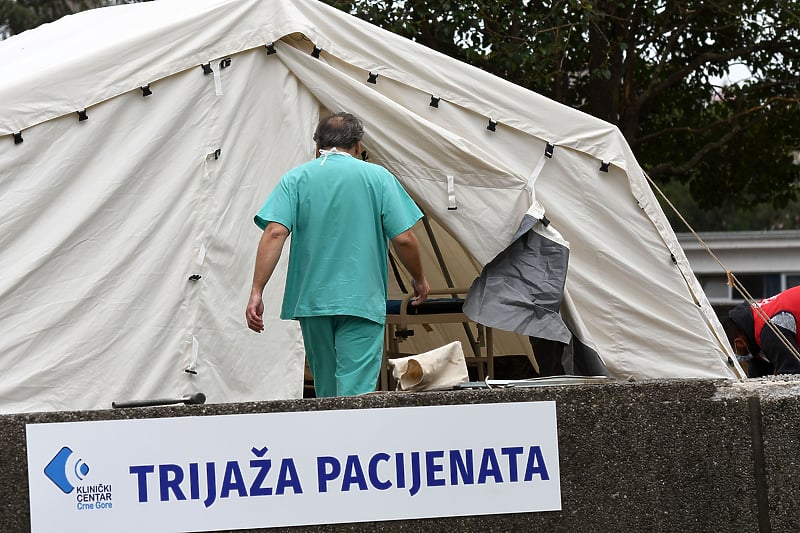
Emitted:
<point x="106" y="219"/>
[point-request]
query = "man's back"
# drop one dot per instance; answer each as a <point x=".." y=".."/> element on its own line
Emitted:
<point x="341" y="212"/>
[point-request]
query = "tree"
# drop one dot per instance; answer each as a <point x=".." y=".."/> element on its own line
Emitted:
<point x="724" y="216"/>
<point x="655" y="68"/>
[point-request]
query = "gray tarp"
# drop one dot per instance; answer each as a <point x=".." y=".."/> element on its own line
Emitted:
<point x="521" y="289"/>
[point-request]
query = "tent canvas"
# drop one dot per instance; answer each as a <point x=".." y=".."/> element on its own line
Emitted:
<point x="137" y="142"/>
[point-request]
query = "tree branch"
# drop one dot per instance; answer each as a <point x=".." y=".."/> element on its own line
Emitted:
<point x="733" y="119"/>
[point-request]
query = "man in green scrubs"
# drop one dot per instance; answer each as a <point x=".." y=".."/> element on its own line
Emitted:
<point x="341" y="212"/>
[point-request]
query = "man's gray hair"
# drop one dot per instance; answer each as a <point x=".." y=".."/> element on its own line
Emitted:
<point x="340" y="130"/>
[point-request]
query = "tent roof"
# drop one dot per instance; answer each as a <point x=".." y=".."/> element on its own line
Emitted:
<point x="86" y="58"/>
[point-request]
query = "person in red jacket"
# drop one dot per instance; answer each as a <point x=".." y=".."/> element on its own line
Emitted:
<point x="768" y="349"/>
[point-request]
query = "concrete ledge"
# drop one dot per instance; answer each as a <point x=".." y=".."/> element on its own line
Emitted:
<point x="666" y="455"/>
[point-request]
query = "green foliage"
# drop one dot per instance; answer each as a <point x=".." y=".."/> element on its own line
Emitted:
<point x="725" y="217"/>
<point x="655" y="68"/>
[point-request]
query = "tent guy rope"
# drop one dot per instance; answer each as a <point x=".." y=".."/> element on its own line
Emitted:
<point x="733" y="281"/>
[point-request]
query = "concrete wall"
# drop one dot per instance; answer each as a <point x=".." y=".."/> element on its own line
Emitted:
<point x="674" y="455"/>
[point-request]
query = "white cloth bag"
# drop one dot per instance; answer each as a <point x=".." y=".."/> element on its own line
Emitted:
<point x="438" y="369"/>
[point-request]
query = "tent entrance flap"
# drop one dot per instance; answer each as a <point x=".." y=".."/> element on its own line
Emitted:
<point x="521" y="289"/>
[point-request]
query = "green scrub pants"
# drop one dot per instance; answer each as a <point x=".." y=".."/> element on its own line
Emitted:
<point x="344" y="353"/>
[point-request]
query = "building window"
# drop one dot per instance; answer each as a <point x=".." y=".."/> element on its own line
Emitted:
<point x="773" y="284"/>
<point x="759" y="285"/>
<point x="721" y="295"/>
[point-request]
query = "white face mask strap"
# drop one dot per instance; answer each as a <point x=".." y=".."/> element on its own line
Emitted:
<point x="326" y="153"/>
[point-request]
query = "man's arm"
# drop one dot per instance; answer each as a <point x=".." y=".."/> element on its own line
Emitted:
<point x="407" y="248"/>
<point x="267" y="256"/>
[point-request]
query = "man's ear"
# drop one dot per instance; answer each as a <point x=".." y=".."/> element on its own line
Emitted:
<point x="740" y="345"/>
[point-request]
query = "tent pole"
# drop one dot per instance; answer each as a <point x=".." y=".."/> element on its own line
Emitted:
<point x="476" y="350"/>
<point x="438" y="253"/>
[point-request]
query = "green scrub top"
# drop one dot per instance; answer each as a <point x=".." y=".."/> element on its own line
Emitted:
<point x="341" y="212"/>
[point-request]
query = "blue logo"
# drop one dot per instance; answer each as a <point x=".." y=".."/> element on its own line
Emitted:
<point x="65" y="470"/>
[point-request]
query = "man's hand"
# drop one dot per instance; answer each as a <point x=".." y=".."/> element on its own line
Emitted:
<point x="408" y="251"/>
<point x="421" y="290"/>
<point x="255" y="312"/>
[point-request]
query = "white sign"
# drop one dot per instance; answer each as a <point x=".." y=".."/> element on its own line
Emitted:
<point x="288" y="469"/>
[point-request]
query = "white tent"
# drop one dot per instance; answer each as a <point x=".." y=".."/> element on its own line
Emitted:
<point x="138" y="141"/>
